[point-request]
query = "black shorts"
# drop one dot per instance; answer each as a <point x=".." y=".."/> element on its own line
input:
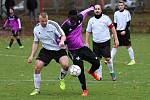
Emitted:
<point x="81" y="54"/>
<point x="47" y="55"/>
<point x="15" y="33"/>
<point x="102" y="49"/>
<point x="124" y="40"/>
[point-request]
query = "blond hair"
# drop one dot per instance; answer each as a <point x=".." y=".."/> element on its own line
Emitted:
<point x="43" y="15"/>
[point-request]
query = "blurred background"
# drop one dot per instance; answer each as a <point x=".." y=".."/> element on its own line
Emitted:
<point x="28" y="11"/>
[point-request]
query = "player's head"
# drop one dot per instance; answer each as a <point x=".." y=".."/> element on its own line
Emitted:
<point x="11" y="11"/>
<point x="43" y="18"/>
<point x="121" y="5"/>
<point x="73" y="17"/>
<point x="97" y="11"/>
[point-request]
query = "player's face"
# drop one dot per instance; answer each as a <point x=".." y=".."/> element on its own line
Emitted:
<point x="97" y="10"/>
<point x="73" y="20"/>
<point x="11" y="11"/>
<point x="43" y="22"/>
<point x="121" y="6"/>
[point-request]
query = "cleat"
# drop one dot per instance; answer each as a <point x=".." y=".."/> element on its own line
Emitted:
<point x="35" y="92"/>
<point x="85" y="93"/>
<point x="132" y="62"/>
<point x="113" y="76"/>
<point x="62" y="84"/>
<point x="21" y="47"/>
<point x="8" y="47"/>
<point x="95" y="76"/>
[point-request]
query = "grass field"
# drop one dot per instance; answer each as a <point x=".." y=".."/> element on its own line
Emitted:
<point x="133" y="82"/>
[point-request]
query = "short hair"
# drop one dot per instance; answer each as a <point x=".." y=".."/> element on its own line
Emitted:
<point x="72" y="12"/>
<point x="43" y="15"/>
<point x="121" y="1"/>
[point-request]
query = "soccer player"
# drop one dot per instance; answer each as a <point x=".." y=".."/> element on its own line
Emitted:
<point x="99" y="26"/>
<point x="48" y="32"/>
<point x="122" y="20"/>
<point x="77" y="50"/>
<point x="13" y="22"/>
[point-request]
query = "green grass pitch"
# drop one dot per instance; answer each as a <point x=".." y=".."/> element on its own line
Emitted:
<point x="133" y="82"/>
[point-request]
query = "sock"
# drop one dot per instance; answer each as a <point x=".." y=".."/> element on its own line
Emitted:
<point x="113" y="53"/>
<point x="19" y="42"/>
<point x="63" y="73"/>
<point x="131" y="53"/>
<point x="99" y="71"/>
<point x="11" y="42"/>
<point x="37" y="81"/>
<point x="110" y="66"/>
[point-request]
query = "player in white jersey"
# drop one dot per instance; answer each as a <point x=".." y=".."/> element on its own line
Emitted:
<point x="48" y="32"/>
<point x="99" y="26"/>
<point x="122" y="20"/>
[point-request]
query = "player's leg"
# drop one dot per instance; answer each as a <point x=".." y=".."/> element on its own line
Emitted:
<point x="62" y="58"/>
<point x="97" y="51"/>
<point x="18" y="40"/>
<point x="131" y="54"/>
<point x="127" y="43"/>
<point x="113" y="53"/>
<point x="107" y="55"/>
<point x="37" y="77"/>
<point x="10" y="43"/>
<point x="43" y="59"/>
<point x="89" y="56"/>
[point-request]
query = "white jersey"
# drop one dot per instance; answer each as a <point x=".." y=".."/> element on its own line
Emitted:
<point x="48" y="35"/>
<point x="121" y="18"/>
<point x="99" y="28"/>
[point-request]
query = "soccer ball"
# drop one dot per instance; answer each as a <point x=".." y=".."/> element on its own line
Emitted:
<point x="74" y="70"/>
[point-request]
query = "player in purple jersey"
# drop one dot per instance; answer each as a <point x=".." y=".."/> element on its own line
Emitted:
<point x="13" y="22"/>
<point x="77" y="50"/>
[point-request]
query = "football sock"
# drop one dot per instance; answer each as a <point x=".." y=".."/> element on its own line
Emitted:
<point x="11" y="42"/>
<point x="37" y="81"/>
<point x="19" y="42"/>
<point x="110" y="66"/>
<point x="131" y="53"/>
<point x="113" y="53"/>
<point x="63" y="73"/>
<point x="99" y="71"/>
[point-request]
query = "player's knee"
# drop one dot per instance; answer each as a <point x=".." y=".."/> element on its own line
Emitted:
<point x="96" y="63"/>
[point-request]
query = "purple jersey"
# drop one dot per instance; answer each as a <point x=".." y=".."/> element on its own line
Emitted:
<point x="13" y="22"/>
<point x="74" y="36"/>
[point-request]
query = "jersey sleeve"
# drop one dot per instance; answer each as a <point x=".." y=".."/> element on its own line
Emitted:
<point x="115" y="18"/>
<point x="86" y="11"/>
<point x="89" y="26"/>
<point x="35" y="35"/>
<point x="128" y="16"/>
<point x="59" y="32"/>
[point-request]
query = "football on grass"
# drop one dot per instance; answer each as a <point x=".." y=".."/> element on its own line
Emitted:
<point x="74" y="70"/>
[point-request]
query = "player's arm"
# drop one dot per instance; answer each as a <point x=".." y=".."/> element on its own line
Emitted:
<point x="88" y="33"/>
<point x="60" y="33"/>
<point x="5" y="24"/>
<point x="116" y="42"/>
<point x="85" y="12"/>
<point x="87" y="39"/>
<point x="19" y="24"/>
<point x="33" y="52"/>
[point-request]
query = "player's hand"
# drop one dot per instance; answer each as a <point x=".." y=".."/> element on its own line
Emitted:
<point x="30" y="59"/>
<point x="116" y="44"/>
<point x="62" y="44"/>
<point x="123" y="33"/>
<point x="3" y="28"/>
<point x="86" y="44"/>
<point x="20" y="30"/>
